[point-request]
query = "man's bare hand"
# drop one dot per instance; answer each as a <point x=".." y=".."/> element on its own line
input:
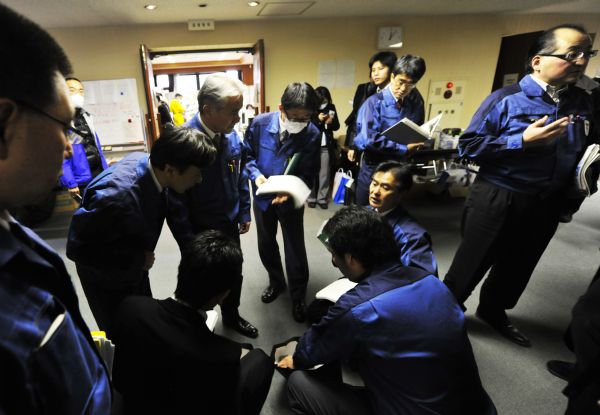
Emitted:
<point x="538" y="132"/>
<point x="279" y="199"/>
<point x="260" y="180"/>
<point x="244" y="227"/>
<point x="286" y="363"/>
<point x="413" y="146"/>
<point x="148" y="261"/>
<point x="74" y="190"/>
<point x="351" y="155"/>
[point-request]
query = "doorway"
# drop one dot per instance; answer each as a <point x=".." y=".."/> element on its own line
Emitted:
<point x="182" y="71"/>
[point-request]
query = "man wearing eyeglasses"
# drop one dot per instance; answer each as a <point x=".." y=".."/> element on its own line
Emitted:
<point x="527" y="139"/>
<point x="400" y="99"/>
<point x="48" y="361"/>
<point x="279" y="141"/>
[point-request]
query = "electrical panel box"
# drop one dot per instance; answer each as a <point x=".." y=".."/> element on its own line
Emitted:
<point x="201" y="25"/>
<point x="446" y="97"/>
<point x="446" y="91"/>
<point x="451" y="111"/>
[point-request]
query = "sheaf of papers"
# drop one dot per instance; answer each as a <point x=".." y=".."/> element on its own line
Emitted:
<point x="288" y="184"/>
<point x="582" y="172"/>
<point x="335" y="290"/>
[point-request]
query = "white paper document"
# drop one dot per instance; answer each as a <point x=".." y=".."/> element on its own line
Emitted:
<point x="287" y="184"/>
<point x="335" y="290"/>
<point x="406" y="131"/>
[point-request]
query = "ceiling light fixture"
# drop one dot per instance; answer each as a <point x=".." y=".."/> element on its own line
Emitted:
<point x="253" y="3"/>
<point x="150" y="6"/>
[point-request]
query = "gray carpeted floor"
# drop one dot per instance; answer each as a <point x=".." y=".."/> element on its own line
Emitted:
<point x="515" y="377"/>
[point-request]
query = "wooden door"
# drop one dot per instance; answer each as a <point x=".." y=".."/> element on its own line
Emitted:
<point x="148" y="74"/>
<point x="258" y="52"/>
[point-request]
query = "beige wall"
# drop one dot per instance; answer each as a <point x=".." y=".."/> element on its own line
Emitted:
<point x="459" y="47"/>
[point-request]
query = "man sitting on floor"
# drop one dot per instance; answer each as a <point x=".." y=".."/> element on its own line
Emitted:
<point x="400" y="325"/>
<point x="168" y="361"/>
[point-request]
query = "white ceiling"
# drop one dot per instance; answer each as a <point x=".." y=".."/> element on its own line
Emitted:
<point x="75" y="13"/>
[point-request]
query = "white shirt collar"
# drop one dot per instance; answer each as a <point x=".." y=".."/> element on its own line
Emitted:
<point x="544" y="86"/>
<point x="156" y="182"/>
<point x="210" y="132"/>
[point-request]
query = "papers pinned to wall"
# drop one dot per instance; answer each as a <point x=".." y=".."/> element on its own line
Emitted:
<point x="336" y="73"/>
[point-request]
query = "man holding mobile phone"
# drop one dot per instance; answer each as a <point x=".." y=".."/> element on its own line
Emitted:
<point x="327" y="122"/>
<point x="527" y="139"/>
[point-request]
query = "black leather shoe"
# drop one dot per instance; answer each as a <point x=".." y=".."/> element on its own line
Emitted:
<point x="560" y="368"/>
<point x="323" y="205"/>
<point x="299" y="311"/>
<point x="270" y="294"/>
<point x="312" y="204"/>
<point x="502" y="325"/>
<point x="242" y="326"/>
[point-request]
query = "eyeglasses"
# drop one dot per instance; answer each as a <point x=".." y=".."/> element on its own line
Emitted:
<point x="67" y="128"/>
<point x="400" y="83"/>
<point x="574" y="56"/>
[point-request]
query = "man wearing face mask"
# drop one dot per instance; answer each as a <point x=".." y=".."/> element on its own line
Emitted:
<point x="88" y="160"/>
<point x="275" y="139"/>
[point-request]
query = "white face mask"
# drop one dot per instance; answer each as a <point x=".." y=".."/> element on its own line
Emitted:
<point x="323" y="105"/>
<point x="293" y="127"/>
<point x="77" y="100"/>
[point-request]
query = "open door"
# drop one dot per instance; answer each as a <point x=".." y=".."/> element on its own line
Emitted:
<point x="258" y="53"/>
<point x="148" y="74"/>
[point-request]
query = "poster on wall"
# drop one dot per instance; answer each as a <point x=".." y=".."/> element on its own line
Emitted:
<point x="116" y="113"/>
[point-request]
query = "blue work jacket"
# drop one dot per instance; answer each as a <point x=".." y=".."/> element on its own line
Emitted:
<point x="76" y="170"/>
<point x="494" y="138"/>
<point x="120" y="218"/>
<point x="36" y="293"/>
<point x="223" y="196"/>
<point x="407" y="335"/>
<point x="413" y="241"/>
<point x="377" y="114"/>
<point x="267" y="156"/>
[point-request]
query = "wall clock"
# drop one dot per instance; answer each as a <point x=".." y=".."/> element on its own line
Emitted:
<point x="389" y="37"/>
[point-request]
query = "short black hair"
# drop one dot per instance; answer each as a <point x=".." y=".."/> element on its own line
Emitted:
<point x="412" y="66"/>
<point x="31" y="58"/>
<point x="182" y="147"/>
<point x="402" y="173"/>
<point x="386" y="58"/>
<point x="300" y="95"/>
<point x="210" y="265"/>
<point x="363" y="234"/>
<point x="546" y="43"/>
<point x="323" y="94"/>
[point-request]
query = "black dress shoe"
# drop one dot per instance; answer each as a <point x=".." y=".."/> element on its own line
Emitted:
<point x="312" y="204"/>
<point x="270" y="294"/>
<point x="299" y="311"/>
<point x="560" y="368"/>
<point x="242" y="326"/>
<point x="323" y="205"/>
<point x="502" y="325"/>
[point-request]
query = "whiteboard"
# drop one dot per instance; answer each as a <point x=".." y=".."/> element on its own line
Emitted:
<point x="115" y="111"/>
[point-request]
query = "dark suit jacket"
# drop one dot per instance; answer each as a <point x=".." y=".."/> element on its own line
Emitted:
<point x="363" y="91"/>
<point x="168" y="361"/>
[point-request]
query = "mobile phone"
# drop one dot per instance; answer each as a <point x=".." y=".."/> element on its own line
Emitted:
<point x="332" y="113"/>
<point x="77" y="197"/>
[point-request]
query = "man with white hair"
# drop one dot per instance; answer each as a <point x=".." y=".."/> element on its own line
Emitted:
<point x="222" y="200"/>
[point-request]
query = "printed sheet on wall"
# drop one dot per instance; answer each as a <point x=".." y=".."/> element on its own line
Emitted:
<point x="116" y="113"/>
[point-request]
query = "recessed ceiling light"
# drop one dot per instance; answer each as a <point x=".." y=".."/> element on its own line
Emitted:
<point x="253" y="3"/>
<point x="150" y="6"/>
<point x="202" y="5"/>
